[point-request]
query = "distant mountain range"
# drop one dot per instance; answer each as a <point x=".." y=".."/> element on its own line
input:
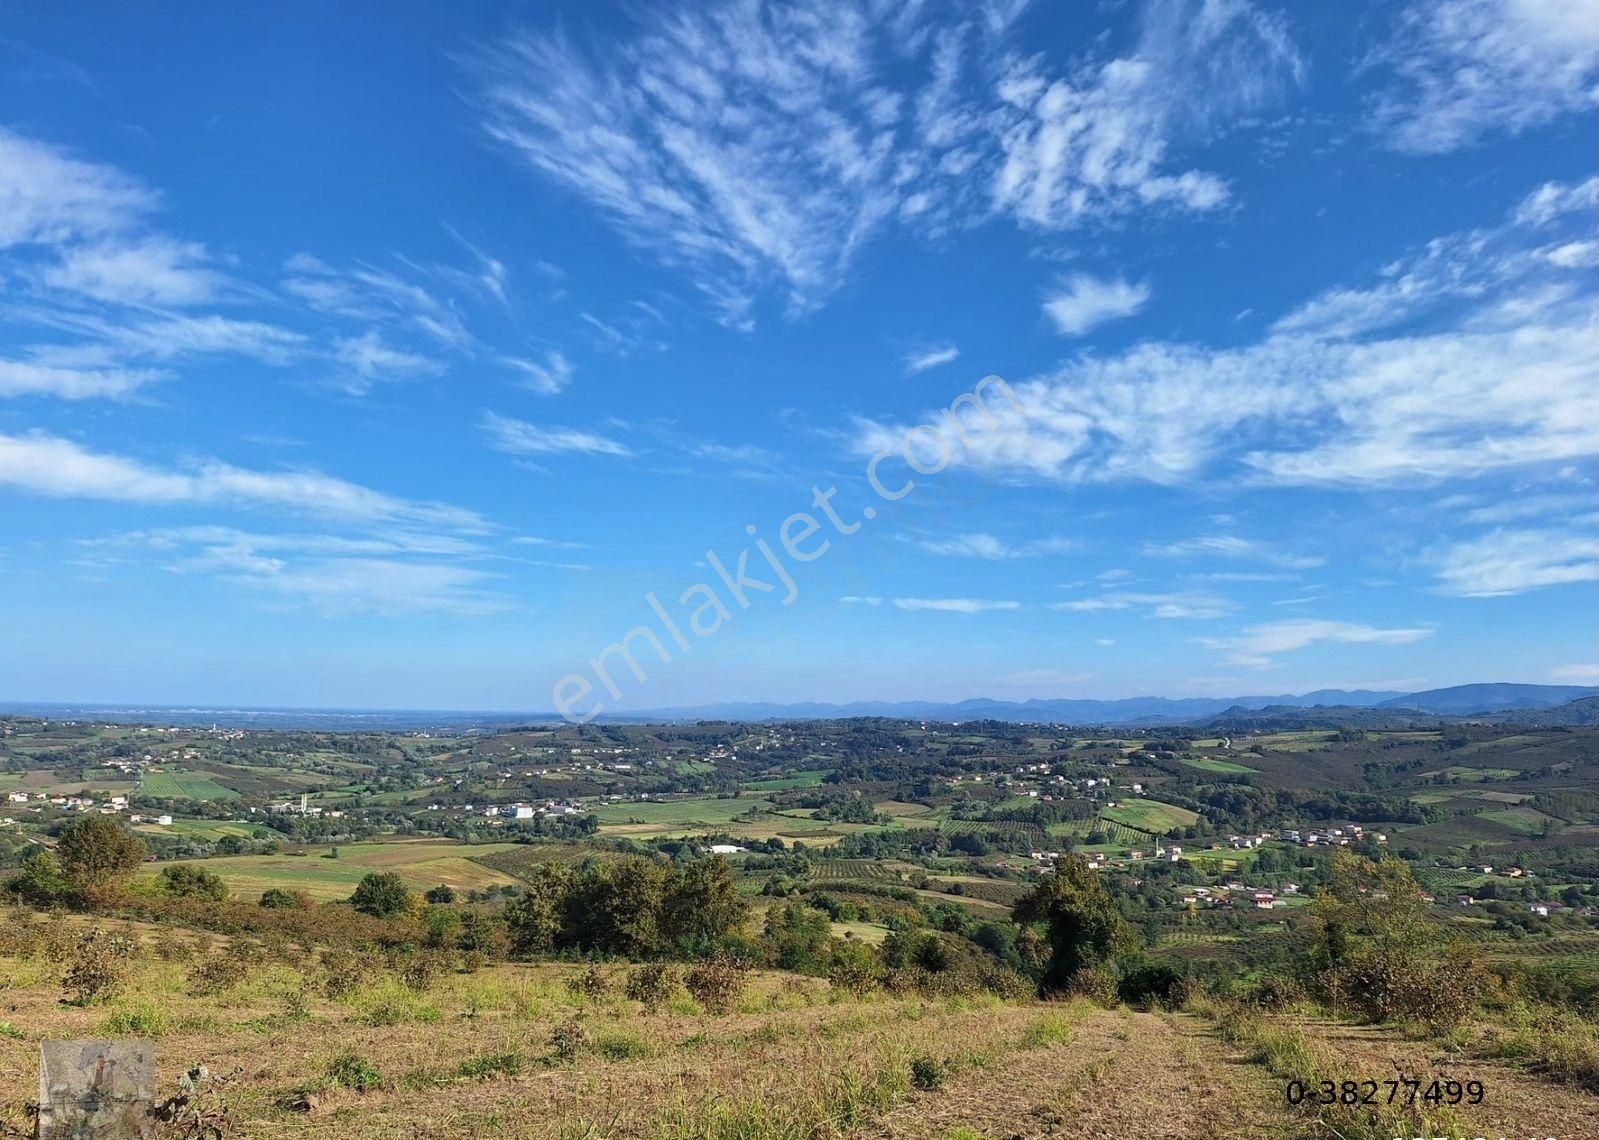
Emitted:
<point x="1460" y="700"/>
<point x="1517" y="702"/>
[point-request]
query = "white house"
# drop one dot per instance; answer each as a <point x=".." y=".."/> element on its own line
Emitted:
<point x="726" y="849"/>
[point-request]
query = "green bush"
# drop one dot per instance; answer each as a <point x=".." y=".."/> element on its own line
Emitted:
<point x="926" y="1073"/>
<point x="352" y="1071"/>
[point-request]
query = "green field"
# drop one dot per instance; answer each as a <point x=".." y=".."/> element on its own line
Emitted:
<point x="422" y="863"/>
<point x="1150" y="815"/>
<point x="806" y="779"/>
<point x="1225" y="767"/>
<point x="675" y="812"/>
<point x="177" y="785"/>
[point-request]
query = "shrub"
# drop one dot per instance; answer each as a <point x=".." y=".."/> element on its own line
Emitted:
<point x="1096" y="983"/>
<point x="569" y="1040"/>
<point x="350" y="1070"/>
<point x="425" y="967"/>
<point x="717" y="982"/>
<point x="651" y="985"/>
<point x="855" y="969"/>
<point x="342" y="970"/>
<point x="170" y="946"/>
<point x="440" y="895"/>
<point x="217" y="973"/>
<point x="188" y="881"/>
<point x="926" y="1073"/>
<point x="99" y="966"/>
<point x="591" y="984"/>
<point x="276" y="898"/>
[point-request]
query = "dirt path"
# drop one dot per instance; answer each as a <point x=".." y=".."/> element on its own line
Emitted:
<point x="1120" y="1075"/>
<point x="1516" y="1103"/>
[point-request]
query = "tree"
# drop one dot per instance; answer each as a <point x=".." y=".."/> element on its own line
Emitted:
<point x="443" y="893"/>
<point x="616" y="907"/>
<point x="381" y="894"/>
<point x="42" y="881"/>
<point x="702" y="905"/>
<point x="1376" y="903"/>
<point x="96" y="851"/>
<point x="188" y="881"/>
<point x="537" y="920"/>
<point x="1084" y="927"/>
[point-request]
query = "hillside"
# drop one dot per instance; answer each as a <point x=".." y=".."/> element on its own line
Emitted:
<point x="513" y="1051"/>
<point x="1463" y="700"/>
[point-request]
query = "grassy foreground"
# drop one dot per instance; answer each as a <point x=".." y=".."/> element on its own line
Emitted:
<point x="525" y="1051"/>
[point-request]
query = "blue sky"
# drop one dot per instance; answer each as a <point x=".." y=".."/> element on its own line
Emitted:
<point x="395" y="355"/>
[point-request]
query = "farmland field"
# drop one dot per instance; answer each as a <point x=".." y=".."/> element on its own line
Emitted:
<point x="178" y="785"/>
<point x="422" y="863"/>
<point x="1150" y="815"/>
<point x="1225" y="767"/>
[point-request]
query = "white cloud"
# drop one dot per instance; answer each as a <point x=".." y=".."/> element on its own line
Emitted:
<point x="1256" y="645"/>
<point x="987" y="546"/>
<point x="923" y="359"/>
<point x="1097" y="143"/>
<point x="23" y="378"/>
<point x="390" y="572"/>
<point x="367" y="360"/>
<point x="518" y="437"/>
<point x="1464" y="70"/>
<point x="1081" y="302"/>
<point x="1575" y="674"/>
<point x="1553" y="200"/>
<point x="955" y="605"/>
<point x="547" y="377"/>
<point x="1185" y="605"/>
<point x="1503" y="382"/>
<point x="854" y="600"/>
<point x="369" y="294"/>
<point x="47" y="197"/>
<point x="767" y="144"/>
<point x="1515" y="561"/>
<point x="152" y="270"/>
<point x="1104" y="641"/>
<point x="58" y="468"/>
<point x="1231" y="546"/>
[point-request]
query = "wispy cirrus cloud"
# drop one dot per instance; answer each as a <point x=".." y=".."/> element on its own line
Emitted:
<point x="1461" y="71"/>
<point x="548" y="376"/>
<point x="366" y="360"/>
<point x="765" y="145"/>
<point x="923" y="359"/>
<point x="1186" y="605"/>
<point x="1516" y="560"/>
<point x="987" y="546"/>
<point x="1231" y="546"/>
<point x="52" y="467"/>
<point x="955" y="605"/>
<point x="1081" y="302"/>
<point x="1256" y="646"/>
<point x="518" y="437"/>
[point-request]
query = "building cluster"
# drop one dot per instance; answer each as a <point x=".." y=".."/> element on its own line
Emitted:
<point x="1329" y="836"/>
